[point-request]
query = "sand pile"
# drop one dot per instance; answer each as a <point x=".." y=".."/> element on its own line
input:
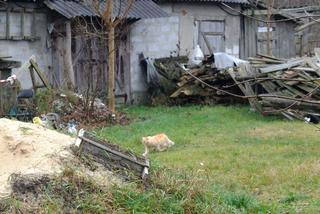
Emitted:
<point x="30" y="149"/>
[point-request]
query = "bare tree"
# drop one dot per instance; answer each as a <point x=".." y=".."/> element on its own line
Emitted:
<point x="111" y="23"/>
<point x="109" y="27"/>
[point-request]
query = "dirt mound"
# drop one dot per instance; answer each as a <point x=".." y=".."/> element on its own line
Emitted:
<point x="27" y="148"/>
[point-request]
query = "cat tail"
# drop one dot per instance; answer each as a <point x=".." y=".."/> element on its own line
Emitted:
<point x="146" y="151"/>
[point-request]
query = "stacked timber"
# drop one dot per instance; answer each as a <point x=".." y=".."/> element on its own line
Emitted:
<point x="271" y="85"/>
<point x="197" y="85"/>
<point x="287" y="87"/>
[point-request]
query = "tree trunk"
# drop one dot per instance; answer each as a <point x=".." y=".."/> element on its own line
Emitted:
<point x="111" y="69"/>
<point x="68" y="68"/>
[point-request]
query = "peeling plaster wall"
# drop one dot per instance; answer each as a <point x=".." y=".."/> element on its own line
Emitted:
<point x="22" y="50"/>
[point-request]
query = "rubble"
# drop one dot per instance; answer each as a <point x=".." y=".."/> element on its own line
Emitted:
<point x="186" y="85"/>
<point x="80" y="110"/>
<point x="289" y="87"/>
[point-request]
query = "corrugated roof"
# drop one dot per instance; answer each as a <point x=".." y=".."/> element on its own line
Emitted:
<point x="223" y="1"/>
<point x="290" y="3"/>
<point x="139" y="9"/>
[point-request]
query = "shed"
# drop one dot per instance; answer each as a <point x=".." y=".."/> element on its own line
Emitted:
<point x="297" y="21"/>
<point x="40" y="28"/>
<point x="207" y="23"/>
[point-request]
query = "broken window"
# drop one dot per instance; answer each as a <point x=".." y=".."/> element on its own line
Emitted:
<point x="212" y="36"/>
<point x="16" y="25"/>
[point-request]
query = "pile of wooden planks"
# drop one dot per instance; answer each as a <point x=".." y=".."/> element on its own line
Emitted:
<point x="288" y="87"/>
<point x="192" y="84"/>
<point x="271" y="85"/>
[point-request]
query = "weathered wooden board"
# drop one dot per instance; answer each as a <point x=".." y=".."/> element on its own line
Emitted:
<point x="112" y="157"/>
<point x="8" y="97"/>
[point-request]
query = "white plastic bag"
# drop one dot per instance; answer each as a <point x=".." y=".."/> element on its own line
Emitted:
<point x="196" y="56"/>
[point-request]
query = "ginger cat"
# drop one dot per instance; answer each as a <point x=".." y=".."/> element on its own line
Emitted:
<point x="159" y="142"/>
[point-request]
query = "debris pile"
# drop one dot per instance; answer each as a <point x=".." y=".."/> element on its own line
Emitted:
<point x="289" y="87"/>
<point x="194" y="85"/>
<point x="271" y="85"/>
<point x="81" y="111"/>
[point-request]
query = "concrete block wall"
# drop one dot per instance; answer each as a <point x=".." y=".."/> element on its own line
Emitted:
<point x="155" y="38"/>
<point x="189" y="13"/>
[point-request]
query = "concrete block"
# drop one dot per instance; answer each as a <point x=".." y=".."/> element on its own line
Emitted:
<point x="173" y="19"/>
<point x="165" y="28"/>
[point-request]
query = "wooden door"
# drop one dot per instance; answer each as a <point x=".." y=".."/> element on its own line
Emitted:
<point x="212" y="36"/>
<point x="262" y="40"/>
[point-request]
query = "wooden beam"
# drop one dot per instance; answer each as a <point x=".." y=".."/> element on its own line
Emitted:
<point x="8" y="23"/>
<point x="40" y="74"/>
<point x="290" y="64"/>
<point x="309" y="24"/>
<point x="33" y="79"/>
<point x="22" y="24"/>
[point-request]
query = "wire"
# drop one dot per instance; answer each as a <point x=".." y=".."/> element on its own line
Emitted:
<point x="228" y="12"/>
<point x="251" y="96"/>
<point x="270" y="21"/>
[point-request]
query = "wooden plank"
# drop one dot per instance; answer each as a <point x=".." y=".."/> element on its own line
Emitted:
<point x="271" y="57"/>
<point x="40" y="74"/>
<point x="244" y="71"/>
<point x="303" y="69"/>
<point x="33" y="79"/>
<point x="22" y="24"/>
<point x="309" y="24"/>
<point x="289" y="64"/>
<point x="313" y="65"/>
<point x="110" y="155"/>
<point x="8" y="23"/>
<point x="294" y="92"/>
<point x="101" y="146"/>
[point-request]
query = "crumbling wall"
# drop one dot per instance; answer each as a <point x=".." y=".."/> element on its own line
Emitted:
<point x="155" y="38"/>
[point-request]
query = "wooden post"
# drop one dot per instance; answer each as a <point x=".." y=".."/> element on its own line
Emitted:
<point x="68" y="67"/>
<point x="269" y="31"/>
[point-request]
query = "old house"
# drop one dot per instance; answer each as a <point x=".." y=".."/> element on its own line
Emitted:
<point x="49" y="31"/>
<point x="256" y="37"/>
<point x="64" y="35"/>
<point x="307" y="33"/>
<point x="208" y="23"/>
<point x="295" y="27"/>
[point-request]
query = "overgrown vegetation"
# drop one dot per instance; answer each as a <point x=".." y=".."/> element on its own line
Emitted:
<point x="225" y="160"/>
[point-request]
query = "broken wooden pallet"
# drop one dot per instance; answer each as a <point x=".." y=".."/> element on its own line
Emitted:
<point x="111" y="156"/>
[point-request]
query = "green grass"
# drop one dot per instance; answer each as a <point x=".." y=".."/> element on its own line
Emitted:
<point x="225" y="160"/>
<point x="255" y="160"/>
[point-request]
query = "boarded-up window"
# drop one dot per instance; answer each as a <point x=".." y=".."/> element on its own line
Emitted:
<point x="16" y="25"/>
<point x="212" y="36"/>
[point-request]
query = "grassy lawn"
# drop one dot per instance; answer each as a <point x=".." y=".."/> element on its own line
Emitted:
<point x="239" y="161"/>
